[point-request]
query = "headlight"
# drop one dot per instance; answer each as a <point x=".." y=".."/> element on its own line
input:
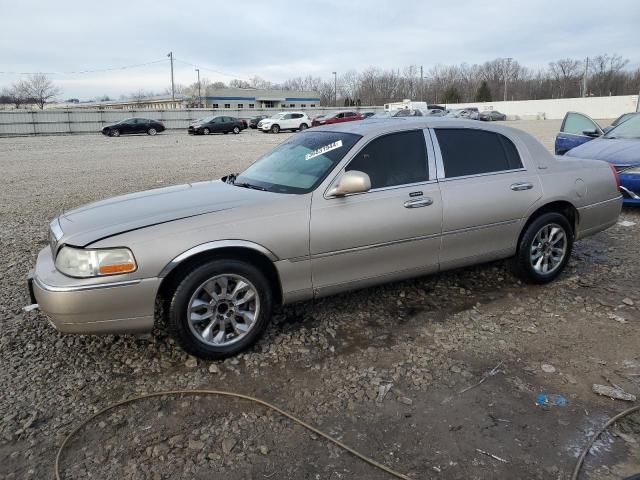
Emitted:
<point x="84" y="263"/>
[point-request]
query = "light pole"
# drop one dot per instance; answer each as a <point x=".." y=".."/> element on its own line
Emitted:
<point x="507" y="66"/>
<point x="199" y="94"/>
<point x="173" y="88"/>
<point x="335" y="89"/>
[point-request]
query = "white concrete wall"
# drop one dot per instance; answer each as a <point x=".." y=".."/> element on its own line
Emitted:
<point x="595" y="107"/>
<point x="84" y="120"/>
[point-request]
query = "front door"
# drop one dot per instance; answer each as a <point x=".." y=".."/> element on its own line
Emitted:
<point x="577" y="128"/>
<point x="486" y="192"/>
<point x="390" y="232"/>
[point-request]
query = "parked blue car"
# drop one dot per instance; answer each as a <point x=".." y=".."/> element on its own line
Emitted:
<point x="582" y="137"/>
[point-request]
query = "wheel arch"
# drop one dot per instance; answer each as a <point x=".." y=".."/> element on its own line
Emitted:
<point x="250" y="252"/>
<point x="563" y="207"/>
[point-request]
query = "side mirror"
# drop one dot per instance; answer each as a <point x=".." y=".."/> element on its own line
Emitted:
<point x="352" y="181"/>
<point x="591" y="132"/>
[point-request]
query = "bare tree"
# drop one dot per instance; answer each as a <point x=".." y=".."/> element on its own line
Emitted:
<point x="566" y="74"/>
<point x="41" y="89"/>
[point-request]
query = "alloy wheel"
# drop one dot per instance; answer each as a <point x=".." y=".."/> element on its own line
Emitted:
<point x="223" y="310"/>
<point x="548" y="249"/>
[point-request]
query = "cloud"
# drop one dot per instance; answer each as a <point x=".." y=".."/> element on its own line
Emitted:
<point x="277" y="40"/>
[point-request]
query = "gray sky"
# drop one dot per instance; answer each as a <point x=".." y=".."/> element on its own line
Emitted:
<point x="281" y="39"/>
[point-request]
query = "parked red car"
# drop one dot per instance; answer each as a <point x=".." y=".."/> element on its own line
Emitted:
<point x="336" y="117"/>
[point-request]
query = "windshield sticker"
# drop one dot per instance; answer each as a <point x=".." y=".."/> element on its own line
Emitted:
<point x="323" y="150"/>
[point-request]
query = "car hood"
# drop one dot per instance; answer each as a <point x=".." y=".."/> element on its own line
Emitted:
<point x="618" y="151"/>
<point x="105" y="218"/>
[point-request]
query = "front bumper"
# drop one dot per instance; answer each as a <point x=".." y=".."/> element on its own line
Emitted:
<point x="92" y="306"/>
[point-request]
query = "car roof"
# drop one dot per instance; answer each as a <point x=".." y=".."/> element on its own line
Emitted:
<point x="374" y="126"/>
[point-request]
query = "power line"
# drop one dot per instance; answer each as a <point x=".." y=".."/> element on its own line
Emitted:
<point x="226" y="74"/>
<point x="81" y="72"/>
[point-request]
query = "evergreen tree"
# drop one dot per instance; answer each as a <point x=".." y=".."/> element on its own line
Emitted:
<point x="452" y="95"/>
<point x="484" y="93"/>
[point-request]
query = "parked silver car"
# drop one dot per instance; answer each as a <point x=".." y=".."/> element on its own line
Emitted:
<point x="331" y="209"/>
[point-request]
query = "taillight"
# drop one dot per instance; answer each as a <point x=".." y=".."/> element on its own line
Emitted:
<point x="615" y="176"/>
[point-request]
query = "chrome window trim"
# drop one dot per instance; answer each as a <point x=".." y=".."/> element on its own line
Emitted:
<point x="488" y="174"/>
<point x="79" y="288"/>
<point x="215" y="245"/>
<point x="341" y="169"/>
<point x="440" y="162"/>
<point x="440" y="174"/>
<point x="431" y="155"/>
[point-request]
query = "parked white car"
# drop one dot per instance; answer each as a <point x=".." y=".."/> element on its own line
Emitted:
<point x="285" y="121"/>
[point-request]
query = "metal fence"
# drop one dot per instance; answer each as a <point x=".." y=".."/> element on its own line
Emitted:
<point x="70" y="121"/>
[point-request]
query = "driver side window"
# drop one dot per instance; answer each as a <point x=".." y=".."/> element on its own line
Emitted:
<point x="394" y="159"/>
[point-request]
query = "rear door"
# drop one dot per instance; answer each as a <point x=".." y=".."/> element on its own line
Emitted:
<point x="486" y="189"/>
<point x="577" y="128"/>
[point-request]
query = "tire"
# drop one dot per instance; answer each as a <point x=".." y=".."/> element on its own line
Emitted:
<point x="206" y="131"/>
<point x="190" y="334"/>
<point x="236" y="130"/>
<point x="225" y="132"/>
<point x="303" y="126"/>
<point x="537" y="246"/>
<point x="152" y="131"/>
<point x="275" y="128"/>
<point x="114" y="133"/>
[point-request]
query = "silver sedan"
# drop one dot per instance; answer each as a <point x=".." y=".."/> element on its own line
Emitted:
<point x="331" y="209"/>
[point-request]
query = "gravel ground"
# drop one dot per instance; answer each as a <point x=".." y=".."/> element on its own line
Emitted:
<point x="330" y="362"/>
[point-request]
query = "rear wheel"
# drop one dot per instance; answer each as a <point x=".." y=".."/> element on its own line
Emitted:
<point x="206" y="131"/>
<point x="545" y="248"/>
<point x="152" y="131"/>
<point x="275" y="129"/>
<point x="220" y="308"/>
<point x="236" y="130"/>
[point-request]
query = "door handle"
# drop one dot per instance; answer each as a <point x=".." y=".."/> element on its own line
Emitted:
<point x="517" y="187"/>
<point x="418" y="202"/>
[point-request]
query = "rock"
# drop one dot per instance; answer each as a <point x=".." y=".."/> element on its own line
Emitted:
<point x="227" y="445"/>
<point x="614" y="393"/>
<point x="405" y="400"/>
<point x="548" y="368"/>
<point x="263" y="449"/>
<point x="627" y="301"/>
<point x="192" y="362"/>
<point x="213" y="368"/>
<point x="196" y="445"/>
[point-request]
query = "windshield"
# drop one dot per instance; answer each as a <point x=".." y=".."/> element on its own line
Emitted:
<point x="278" y="116"/>
<point x="299" y="164"/>
<point x="627" y="129"/>
<point x="206" y="119"/>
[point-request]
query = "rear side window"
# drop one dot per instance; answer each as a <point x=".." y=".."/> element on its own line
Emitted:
<point x="395" y="159"/>
<point x="467" y="151"/>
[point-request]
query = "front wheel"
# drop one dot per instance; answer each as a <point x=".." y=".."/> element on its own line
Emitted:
<point x="544" y="249"/>
<point x="114" y="133"/>
<point x="303" y="126"/>
<point x="206" y="131"/>
<point x="275" y="129"/>
<point x="236" y="130"/>
<point x="220" y="308"/>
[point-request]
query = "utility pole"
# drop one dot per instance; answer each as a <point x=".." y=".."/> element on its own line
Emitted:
<point x="507" y="66"/>
<point x="335" y="89"/>
<point x="584" y="78"/>
<point x="421" y="85"/>
<point x="199" y="94"/>
<point x="173" y="88"/>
